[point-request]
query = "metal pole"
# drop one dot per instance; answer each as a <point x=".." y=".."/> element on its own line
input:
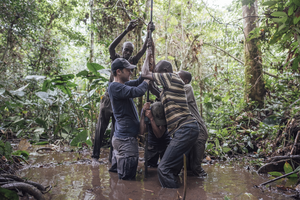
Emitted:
<point x="147" y="121"/>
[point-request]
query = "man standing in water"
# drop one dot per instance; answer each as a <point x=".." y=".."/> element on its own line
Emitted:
<point x="105" y="106"/>
<point x="180" y="123"/>
<point x="197" y="152"/>
<point x="121" y="93"/>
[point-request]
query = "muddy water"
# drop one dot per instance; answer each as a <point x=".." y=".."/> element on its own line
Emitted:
<point x="74" y="177"/>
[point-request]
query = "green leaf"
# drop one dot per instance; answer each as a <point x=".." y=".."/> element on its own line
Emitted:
<point x="81" y="137"/>
<point x="42" y="143"/>
<point x="94" y="67"/>
<point x="25" y="154"/>
<point x="275" y="174"/>
<point x="226" y="149"/>
<point x="281" y="27"/>
<point x="63" y="78"/>
<point x="8" y="194"/>
<point x="297" y="2"/>
<point x="279" y="14"/>
<point x="287" y="168"/>
<point x="269" y="3"/>
<point x="296" y="20"/>
<point x="295" y="64"/>
<point x="291" y="10"/>
<point x="41" y="122"/>
<point x="83" y="73"/>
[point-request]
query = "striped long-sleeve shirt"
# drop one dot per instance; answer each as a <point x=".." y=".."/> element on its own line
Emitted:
<point x="173" y="98"/>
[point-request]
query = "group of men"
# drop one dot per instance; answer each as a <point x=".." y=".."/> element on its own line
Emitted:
<point x="176" y="127"/>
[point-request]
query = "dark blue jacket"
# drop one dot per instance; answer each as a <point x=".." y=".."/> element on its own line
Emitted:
<point x="121" y="97"/>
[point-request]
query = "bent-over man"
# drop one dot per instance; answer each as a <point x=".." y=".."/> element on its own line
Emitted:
<point x="180" y="123"/>
<point x="158" y="136"/>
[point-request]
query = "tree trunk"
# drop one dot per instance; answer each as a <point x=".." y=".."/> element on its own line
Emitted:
<point x="166" y="32"/>
<point x="254" y="84"/>
<point x="92" y="32"/>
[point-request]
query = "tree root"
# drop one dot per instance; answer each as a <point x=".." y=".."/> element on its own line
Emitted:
<point x="18" y="179"/>
<point x="26" y="188"/>
<point x="44" y="148"/>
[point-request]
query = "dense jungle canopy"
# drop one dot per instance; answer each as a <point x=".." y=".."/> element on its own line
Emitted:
<point x="244" y="58"/>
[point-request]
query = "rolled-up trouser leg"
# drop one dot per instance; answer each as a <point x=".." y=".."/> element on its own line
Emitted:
<point x="172" y="161"/>
<point x="197" y="152"/>
<point x="126" y="155"/>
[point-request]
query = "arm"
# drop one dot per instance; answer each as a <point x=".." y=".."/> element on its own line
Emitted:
<point x="135" y="82"/>
<point x="143" y="127"/>
<point x="122" y="91"/>
<point x="142" y="123"/>
<point x="146" y="73"/>
<point x="157" y="130"/>
<point x="137" y="57"/>
<point x="114" y="44"/>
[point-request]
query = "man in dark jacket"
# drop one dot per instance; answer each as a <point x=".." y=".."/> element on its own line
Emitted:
<point x="105" y="107"/>
<point x="121" y="93"/>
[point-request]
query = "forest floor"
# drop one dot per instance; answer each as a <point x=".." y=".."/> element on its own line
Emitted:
<point x="73" y="175"/>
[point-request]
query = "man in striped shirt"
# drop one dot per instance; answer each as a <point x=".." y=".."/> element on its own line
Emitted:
<point x="180" y="123"/>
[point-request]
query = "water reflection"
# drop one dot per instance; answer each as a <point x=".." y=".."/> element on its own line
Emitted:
<point x="81" y="180"/>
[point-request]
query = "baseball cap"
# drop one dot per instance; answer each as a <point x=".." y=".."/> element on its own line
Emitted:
<point x="158" y="114"/>
<point x="120" y="63"/>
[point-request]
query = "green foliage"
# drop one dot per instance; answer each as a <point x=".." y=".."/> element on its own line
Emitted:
<point x="8" y="194"/>
<point x="5" y="149"/>
<point x="25" y="154"/>
<point x="81" y="137"/>
<point x="287" y="169"/>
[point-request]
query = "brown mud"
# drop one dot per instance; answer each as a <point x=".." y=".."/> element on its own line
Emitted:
<point x="72" y="175"/>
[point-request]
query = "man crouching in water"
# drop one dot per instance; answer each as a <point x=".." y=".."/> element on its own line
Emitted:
<point x="180" y="122"/>
<point x="121" y="93"/>
<point x="158" y="136"/>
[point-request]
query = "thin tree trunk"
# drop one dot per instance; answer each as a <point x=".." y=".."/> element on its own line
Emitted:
<point x="254" y="84"/>
<point x="166" y="32"/>
<point x="92" y="32"/>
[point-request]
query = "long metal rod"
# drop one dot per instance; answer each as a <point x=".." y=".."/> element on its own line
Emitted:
<point x="146" y="119"/>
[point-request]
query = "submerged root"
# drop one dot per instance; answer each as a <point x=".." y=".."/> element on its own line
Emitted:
<point x="25" y="188"/>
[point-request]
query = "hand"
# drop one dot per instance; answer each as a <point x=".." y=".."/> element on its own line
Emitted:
<point x="132" y="25"/>
<point x="146" y="106"/>
<point x="151" y="26"/>
<point x="148" y="114"/>
<point x="147" y="81"/>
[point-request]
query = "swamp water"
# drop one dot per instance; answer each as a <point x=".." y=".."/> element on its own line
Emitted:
<point x="73" y="176"/>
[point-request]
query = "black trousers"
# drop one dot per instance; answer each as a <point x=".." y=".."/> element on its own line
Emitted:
<point x="103" y="121"/>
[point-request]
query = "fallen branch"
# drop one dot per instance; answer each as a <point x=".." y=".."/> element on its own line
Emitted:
<point x="19" y="157"/>
<point x="277" y="158"/>
<point x="295" y="142"/>
<point x="280" y="177"/>
<point x="16" y="178"/>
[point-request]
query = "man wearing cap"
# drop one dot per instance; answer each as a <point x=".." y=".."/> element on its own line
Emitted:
<point x="121" y="93"/>
<point x="105" y="106"/>
<point x="158" y="137"/>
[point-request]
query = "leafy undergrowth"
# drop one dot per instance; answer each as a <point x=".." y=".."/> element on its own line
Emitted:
<point x="270" y="131"/>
